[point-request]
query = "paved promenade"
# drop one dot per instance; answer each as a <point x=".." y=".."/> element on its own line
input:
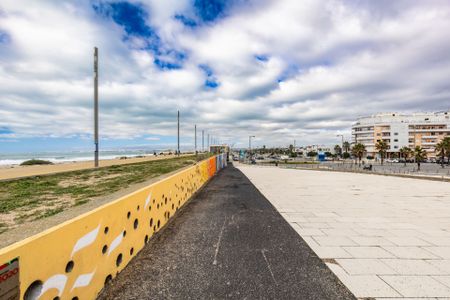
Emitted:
<point x="384" y="237"/>
<point x="227" y="243"/>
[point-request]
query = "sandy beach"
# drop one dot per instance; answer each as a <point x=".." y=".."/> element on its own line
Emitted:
<point x="17" y="171"/>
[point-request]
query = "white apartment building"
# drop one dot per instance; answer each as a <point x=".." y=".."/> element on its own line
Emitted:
<point x="399" y="130"/>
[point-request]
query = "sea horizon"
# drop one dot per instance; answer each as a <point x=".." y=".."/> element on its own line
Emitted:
<point x="17" y="158"/>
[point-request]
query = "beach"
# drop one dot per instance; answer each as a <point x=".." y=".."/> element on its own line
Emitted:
<point x="17" y="171"/>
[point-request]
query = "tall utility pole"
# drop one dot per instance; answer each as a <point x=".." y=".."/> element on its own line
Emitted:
<point x="96" y="106"/>
<point x="250" y="143"/>
<point x="342" y="141"/>
<point x="195" y="134"/>
<point x="203" y="140"/>
<point x="178" y="134"/>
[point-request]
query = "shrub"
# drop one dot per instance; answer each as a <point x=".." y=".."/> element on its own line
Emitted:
<point x="36" y="162"/>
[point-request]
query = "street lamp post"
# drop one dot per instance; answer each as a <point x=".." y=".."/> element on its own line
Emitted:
<point x="250" y="144"/>
<point x="342" y="142"/>
<point x="178" y="133"/>
<point x="96" y="106"/>
<point x="203" y="140"/>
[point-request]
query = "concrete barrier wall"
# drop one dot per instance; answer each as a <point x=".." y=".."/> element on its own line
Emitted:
<point x="75" y="259"/>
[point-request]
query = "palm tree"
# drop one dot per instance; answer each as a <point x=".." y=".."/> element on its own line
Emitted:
<point x="440" y="149"/>
<point x="405" y="152"/>
<point x="446" y="142"/>
<point x="419" y="155"/>
<point x="358" y="151"/>
<point x="346" y="146"/>
<point x="338" y="150"/>
<point x="382" y="146"/>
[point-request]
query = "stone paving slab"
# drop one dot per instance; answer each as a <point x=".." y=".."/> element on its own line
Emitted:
<point x="384" y="237"/>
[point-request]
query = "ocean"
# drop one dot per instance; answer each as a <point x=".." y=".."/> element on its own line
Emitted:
<point x="69" y="156"/>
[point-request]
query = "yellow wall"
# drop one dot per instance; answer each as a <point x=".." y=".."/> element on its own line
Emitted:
<point x="76" y="258"/>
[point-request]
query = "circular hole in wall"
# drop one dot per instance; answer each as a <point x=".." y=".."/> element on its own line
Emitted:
<point x="158" y="224"/>
<point x="173" y="206"/>
<point x="151" y="222"/>
<point x="33" y="291"/>
<point x="137" y="208"/>
<point x="108" y="279"/>
<point x="56" y="298"/>
<point x="69" y="266"/>
<point x="106" y="230"/>
<point x="136" y="223"/>
<point x="157" y="205"/>
<point x="149" y="207"/>
<point x="128" y="215"/>
<point x="165" y="200"/>
<point x="146" y="239"/>
<point x="125" y="233"/>
<point x="119" y="259"/>
<point x="131" y="251"/>
<point x="104" y="249"/>
<point x="75" y="298"/>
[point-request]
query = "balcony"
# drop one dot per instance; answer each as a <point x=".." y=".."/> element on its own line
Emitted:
<point x="430" y="137"/>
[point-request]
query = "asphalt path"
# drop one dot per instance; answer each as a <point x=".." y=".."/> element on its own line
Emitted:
<point x="228" y="242"/>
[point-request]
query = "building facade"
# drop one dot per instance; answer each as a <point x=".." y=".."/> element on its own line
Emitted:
<point x="400" y="130"/>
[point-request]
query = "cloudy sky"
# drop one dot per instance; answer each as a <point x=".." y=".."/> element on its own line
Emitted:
<point x="277" y="69"/>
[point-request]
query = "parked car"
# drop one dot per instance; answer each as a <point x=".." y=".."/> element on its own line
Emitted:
<point x="394" y="160"/>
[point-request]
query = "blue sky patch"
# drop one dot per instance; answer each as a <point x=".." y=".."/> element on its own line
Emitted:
<point x="291" y="71"/>
<point x="4" y="37"/>
<point x="210" y="10"/>
<point x="211" y="83"/>
<point x="132" y="17"/>
<point x="166" y="65"/>
<point x="211" y="80"/>
<point x="5" y="130"/>
<point x="188" y="22"/>
<point x="262" y="57"/>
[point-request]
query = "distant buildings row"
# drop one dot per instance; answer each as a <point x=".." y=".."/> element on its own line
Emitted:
<point x="400" y="130"/>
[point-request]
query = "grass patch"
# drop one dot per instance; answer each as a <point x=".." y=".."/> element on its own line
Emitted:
<point x="32" y="162"/>
<point x="49" y="212"/>
<point x="36" y="198"/>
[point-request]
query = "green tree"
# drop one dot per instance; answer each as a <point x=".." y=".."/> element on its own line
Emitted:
<point x="312" y="154"/>
<point x="405" y="152"/>
<point x="358" y="151"/>
<point x="338" y="150"/>
<point x="440" y="150"/>
<point x="291" y="148"/>
<point x="346" y="146"/>
<point x="382" y="147"/>
<point x="419" y="155"/>
<point x="443" y="149"/>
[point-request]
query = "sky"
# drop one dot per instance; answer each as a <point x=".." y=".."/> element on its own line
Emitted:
<point x="281" y="70"/>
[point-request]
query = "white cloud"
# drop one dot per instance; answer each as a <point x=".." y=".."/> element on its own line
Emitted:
<point x="336" y="60"/>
